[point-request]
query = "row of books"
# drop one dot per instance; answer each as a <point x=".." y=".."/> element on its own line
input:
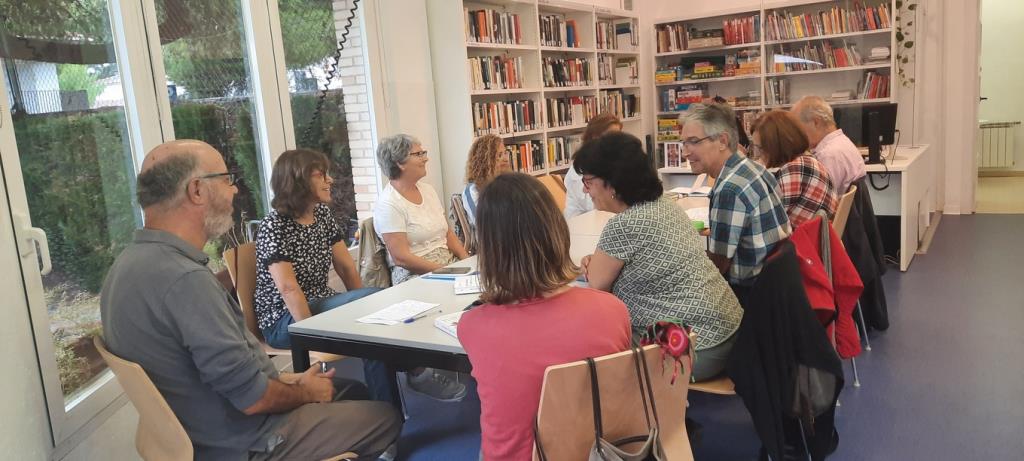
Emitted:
<point x="492" y="26"/>
<point x="526" y="156"/>
<point x="617" y="35"/>
<point x="742" y="30"/>
<point x="567" y="72"/>
<point x="570" y="110"/>
<point x="874" y="86"/>
<point x="822" y="55"/>
<point x="776" y="91"/>
<point x="495" y="72"/>
<point x="619" y="103"/>
<point x="505" y="117"/>
<point x="680" y="37"/>
<point x="555" y="30"/>
<point x="673" y="99"/>
<point x="785" y="25"/>
<point x="561" y="148"/>
<point x="617" y="71"/>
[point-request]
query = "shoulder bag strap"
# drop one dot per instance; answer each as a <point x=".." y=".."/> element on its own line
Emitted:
<point x="536" y="441"/>
<point x="595" y="393"/>
<point x="640" y="381"/>
<point x="650" y="390"/>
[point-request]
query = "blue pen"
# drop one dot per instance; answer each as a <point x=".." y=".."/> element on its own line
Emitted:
<point x="415" y="318"/>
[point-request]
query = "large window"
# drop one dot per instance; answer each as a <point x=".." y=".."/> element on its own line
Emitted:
<point x="311" y="52"/>
<point x="65" y="98"/>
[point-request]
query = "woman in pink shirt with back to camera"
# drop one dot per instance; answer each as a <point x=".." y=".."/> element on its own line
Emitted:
<point x="532" y="317"/>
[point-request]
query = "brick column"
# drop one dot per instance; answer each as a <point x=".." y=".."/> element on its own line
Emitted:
<point x="357" y="108"/>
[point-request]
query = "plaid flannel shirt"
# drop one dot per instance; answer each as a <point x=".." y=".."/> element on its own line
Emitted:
<point x="746" y="217"/>
<point x="806" y="187"/>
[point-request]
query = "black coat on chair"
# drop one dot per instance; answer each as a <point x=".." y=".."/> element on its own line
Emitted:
<point x="863" y="243"/>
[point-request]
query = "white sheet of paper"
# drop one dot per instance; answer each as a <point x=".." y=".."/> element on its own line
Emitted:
<point x="699" y="191"/>
<point x="467" y="285"/>
<point x="397" y="313"/>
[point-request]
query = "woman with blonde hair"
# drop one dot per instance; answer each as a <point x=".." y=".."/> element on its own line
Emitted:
<point x="533" y="318"/>
<point x="487" y="159"/>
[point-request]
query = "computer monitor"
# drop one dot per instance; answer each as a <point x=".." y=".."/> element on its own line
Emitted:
<point x="868" y="125"/>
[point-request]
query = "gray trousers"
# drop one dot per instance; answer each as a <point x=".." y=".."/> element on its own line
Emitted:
<point x="711" y="361"/>
<point x="317" y="431"/>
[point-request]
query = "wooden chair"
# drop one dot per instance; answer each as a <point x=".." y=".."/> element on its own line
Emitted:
<point x="159" y="435"/>
<point x="557" y="189"/>
<point x="468" y="236"/>
<point x="565" y="418"/>
<point x="241" y="262"/>
<point x="843" y="211"/>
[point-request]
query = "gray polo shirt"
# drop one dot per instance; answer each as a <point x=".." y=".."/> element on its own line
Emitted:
<point x="163" y="309"/>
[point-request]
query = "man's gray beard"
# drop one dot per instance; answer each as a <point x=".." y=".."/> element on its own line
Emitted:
<point x="216" y="225"/>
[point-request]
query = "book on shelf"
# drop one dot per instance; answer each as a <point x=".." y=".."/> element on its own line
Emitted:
<point x="814" y="56"/>
<point x="617" y="35"/>
<point x="495" y="72"/>
<point x="776" y="91"/>
<point x="566" y="72"/>
<point x="874" y="86"/>
<point x="674" y="155"/>
<point x="570" y="110"/>
<point x="561" y="148"/>
<point x="505" y="117"/>
<point x="680" y="98"/>
<point x="668" y="129"/>
<point x="492" y="26"/>
<point x="738" y="31"/>
<point x="605" y="69"/>
<point x="627" y="72"/>
<point x="619" y="103"/>
<point x="671" y="37"/>
<point x="449" y="323"/>
<point x="526" y="156"/>
<point x="555" y="30"/>
<point x="784" y="25"/>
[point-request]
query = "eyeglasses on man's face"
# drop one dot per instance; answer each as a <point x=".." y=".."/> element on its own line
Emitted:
<point x="418" y="154"/>
<point x="693" y="142"/>
<point x="232" y="177"/>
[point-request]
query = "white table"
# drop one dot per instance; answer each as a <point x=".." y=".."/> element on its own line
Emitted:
<point x="910" y="174"/>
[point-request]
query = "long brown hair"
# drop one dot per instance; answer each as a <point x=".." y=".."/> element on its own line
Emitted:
<point x="600" y="124"/>
<point x="523" y="241"/>
<point x="290" y="180"/>
<point x="481" y="166"/>
<point x="782" y="139"/>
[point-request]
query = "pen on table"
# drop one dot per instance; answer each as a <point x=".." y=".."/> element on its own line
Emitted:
<point x="417" y="317"/>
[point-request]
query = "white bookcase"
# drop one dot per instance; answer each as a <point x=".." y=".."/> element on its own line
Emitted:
<point x="451" y="47"/>
<point x="817" y="77"/>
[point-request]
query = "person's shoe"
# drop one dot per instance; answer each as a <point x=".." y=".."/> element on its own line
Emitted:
<point x="390" y="453"/>
<point x="436" y="386"/>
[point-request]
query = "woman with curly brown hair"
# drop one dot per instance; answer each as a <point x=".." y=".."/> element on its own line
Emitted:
<point x="487" y="159"/>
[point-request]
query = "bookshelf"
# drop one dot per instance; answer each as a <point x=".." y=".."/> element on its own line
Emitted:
<point x="572" y="61"/>
<point x="785" y="50"/>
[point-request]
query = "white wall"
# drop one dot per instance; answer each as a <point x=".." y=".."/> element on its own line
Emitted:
<point x="1001" y="71"/>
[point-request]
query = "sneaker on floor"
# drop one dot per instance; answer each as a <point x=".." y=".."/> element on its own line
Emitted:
<point x="390" y="453"/>
<point x="437" y="386"/>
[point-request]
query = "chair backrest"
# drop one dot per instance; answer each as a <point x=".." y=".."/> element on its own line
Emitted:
<point x="241" y="262"/>
<point x="556" y="188"/>
<point x="565" y="419"/>
<point x="843" y="211"/>
<point x="159" y="435"/>
<point x="463" y="229"/>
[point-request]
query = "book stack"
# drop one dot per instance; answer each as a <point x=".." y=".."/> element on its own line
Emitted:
<point x="567" y="72"/>
<point x="621" y="104"/>
<point x="497" y="72"/>
<point x="809" y="56"/>
<point x="561" y="148"/>
<point x="627" y="72"/>
<point x="745" y="62"/>
<point x="675" y="99"/>
<point x="669" y="129"/>
<point x="696" y="39"/>
<point x="741" y="30"/>
<point x="570" y="110"/>
<point x="777" y="90"/>
<point x="526" y="156"/>
<point x="665" y="75"/>
<point x="505" y="117"/>
<point x="555" y="30"/>
<point x="671" y="37"/>
<point x="704" y="70"/>
<point x="492" y="26"/>
<point x="878" y="54"/>
<point x="618" y="35"/>
<point x="874" y="86"/>
<point x="786" y="26"/>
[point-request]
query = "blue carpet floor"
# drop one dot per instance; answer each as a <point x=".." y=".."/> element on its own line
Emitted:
<point x="942" y="383"/>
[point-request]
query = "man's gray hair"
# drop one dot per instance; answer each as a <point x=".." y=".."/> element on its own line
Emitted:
<point x="164" y="183"/>
<point x="393" y="151"/>
<point x="716" y="119"/>
<point x="815" y="108"/>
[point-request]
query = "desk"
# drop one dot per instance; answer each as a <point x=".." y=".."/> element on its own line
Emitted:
<point x="910" y="196"/>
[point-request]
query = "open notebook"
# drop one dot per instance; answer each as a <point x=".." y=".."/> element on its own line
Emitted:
<point x="449" y="323"/>
<point x="698" y="189"/>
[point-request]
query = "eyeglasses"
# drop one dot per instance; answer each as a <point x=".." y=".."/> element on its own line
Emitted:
<point x="691" y="143"/>
<point x="232" y="177"/>
<point x="588" y="180"/>
<point x="420" y="154"/>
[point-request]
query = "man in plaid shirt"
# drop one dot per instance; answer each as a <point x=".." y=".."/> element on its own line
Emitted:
<point x="747" y="217"/>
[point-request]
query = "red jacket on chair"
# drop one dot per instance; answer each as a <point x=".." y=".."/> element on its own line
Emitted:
<point x="843" y="291"/>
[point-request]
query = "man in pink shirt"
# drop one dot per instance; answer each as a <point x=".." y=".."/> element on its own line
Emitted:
<point x="829" y="145"/>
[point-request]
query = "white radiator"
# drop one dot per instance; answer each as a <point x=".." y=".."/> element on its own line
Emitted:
<point x="997" y="149"/>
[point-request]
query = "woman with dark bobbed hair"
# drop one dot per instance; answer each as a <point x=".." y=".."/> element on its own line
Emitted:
<point x="649" y="254"/>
